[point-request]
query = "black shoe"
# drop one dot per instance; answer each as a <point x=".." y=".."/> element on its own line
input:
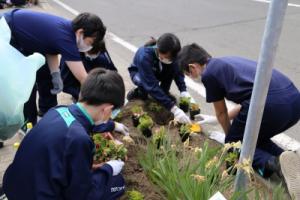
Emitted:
<point x="273" y="166"/>
<point x="1" y="144"/>
<point x="136" y="94"/>
<point x="40" y="113"/>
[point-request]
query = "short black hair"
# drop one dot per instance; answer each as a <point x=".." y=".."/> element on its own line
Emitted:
<point x="98" y="47"/>
<point x="91" y="24"/>
<point x="169" y="43"/>
<point x="103" y="86"/>
<point x="192" y="53"/>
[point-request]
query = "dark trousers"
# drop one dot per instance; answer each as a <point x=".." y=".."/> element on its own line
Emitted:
<point x="276" y="119"/>
<point x="46" y="99"/>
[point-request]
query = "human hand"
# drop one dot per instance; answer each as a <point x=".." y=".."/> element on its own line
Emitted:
<point x="180" y="116"/>
<point x="116" y="165"/>
<point x="57" y="83"/>
<point x="119" y="127"/>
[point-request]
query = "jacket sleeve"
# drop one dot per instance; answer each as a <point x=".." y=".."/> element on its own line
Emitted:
<point x="179" y="78"/>
<point x="150" y="82"/>
<point x="103" y="60"/>
<point x="82" y="182"/>
<point x="109" y="126"/>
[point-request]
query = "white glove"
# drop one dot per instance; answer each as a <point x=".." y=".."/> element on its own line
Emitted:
<point x="180" y="116"/>
<point x="217" y="136"/>
<point x="116" y="165"/>
<point x="187" y="94"/>
<point x="119" y="127"/>
<point x="206" y="119"/>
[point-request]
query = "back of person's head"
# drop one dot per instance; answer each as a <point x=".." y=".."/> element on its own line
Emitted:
<point x="98" y="47"/>
<point x="91" y="24"/>
<point x="168" y="43"/>
<point x="103" y="86"/>
<point x="192" y="53"/>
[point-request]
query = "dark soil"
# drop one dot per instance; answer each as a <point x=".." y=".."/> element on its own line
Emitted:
<point x="133" y="173"/>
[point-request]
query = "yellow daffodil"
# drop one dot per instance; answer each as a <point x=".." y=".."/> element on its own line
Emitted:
<point x="128" y="139"/>
<point x="198" y="178"/>
<point x="246" y="166"/>
<point x="195" y="128"/>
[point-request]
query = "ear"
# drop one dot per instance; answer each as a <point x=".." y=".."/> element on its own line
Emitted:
<point x="192" y="67"/>
<point x="79" y="31"/>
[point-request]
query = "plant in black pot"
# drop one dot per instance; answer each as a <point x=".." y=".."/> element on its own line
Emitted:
<point x="184" y="103"/>
<point x="145" y="125"/>
<point x="159" y="136"/>
<point x="194" y="110"/>
<point x="185" y="131"/>
<point x="137" y="112"/>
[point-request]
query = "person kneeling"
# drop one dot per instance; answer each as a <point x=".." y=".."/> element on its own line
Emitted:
<point x="54" y="161"/>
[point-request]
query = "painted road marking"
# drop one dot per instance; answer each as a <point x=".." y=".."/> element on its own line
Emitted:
<point x="282" y="139"/>
<point x="268" y="1"/>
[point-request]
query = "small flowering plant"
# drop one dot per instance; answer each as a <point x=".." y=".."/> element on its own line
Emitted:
<point x="106" y="150"/>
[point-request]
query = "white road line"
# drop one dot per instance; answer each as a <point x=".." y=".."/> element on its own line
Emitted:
<point x="282" y="139"/>
<point x="268" y="1"/>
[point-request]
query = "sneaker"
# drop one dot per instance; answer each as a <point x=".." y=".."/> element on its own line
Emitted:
<point x="273" y="166"/>
<point x="290" y="168"/>
<point x="136" y="93"/>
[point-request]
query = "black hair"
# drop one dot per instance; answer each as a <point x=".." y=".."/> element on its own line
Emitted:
<point x="91" y="24"/>
<point x="103" y="86"/>
<point x="99" y="46"/>
<point x="192" y="53"/>
<point x="151" y="42"/>
<point x="169" y="43"/>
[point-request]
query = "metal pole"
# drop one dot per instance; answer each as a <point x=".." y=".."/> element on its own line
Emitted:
<point x="263" y="75"/>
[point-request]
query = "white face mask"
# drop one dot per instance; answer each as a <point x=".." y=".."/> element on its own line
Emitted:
<point x="82" y="46"/>
<point x="165" y="61"/>
<point x="91" y="56"/>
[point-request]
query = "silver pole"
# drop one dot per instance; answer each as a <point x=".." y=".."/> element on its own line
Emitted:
<point x="263" y="75"/>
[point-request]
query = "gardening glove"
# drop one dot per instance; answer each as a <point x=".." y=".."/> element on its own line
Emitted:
<point x="116" y="165"/>
<point x="119" y="127"/>
<point x="206" y="119"/>
<point x="57" y="83"/>
<point x="217" y="136"/>
<point x="187" y="94"/>
<point x="180" y="116"/>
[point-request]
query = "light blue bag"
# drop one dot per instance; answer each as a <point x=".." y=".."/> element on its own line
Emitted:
<point x="17" y="77"/>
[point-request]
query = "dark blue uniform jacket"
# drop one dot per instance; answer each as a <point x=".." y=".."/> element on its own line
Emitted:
<point x="71" y="84"/>
<point x="152" y="72"/>
<point x="54" y="160"/>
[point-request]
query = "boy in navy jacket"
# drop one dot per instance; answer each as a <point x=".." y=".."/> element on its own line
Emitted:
<point x="153" y="69"/>
<point x="55" y="159"/>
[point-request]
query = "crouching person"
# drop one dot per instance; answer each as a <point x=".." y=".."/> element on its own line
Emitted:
<point x="54" y="161"/>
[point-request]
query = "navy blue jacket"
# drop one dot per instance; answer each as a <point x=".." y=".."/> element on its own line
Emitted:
<point x="147" y="65"/>
<point x="43" y="33"/>
<point x="71" y="84"/>
<point x="55" y="158"/>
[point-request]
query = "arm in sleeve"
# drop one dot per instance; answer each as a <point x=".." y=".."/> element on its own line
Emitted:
<point x="151" y="84"/>
<point x="109" y="126"/>
<point x="214" y="92"/>
<point x="179" y="78"/>
<point x="83" y="183"/>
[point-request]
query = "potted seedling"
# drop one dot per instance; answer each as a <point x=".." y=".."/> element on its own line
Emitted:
<point x="184" y="103"/>
<point x="135" y="195"/>
<point x="194" y="110"/>
<point x="145" y="125"/>
<point x="106" y="150"/>
<point x="159" y="136"/>
<point x="184" y="131"/>
<point x="137" y="112"/>
<point x="155" y="107"/>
